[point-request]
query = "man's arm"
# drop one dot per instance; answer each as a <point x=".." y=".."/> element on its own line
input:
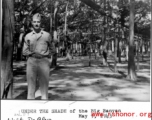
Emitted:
<point x="26" y="47"/>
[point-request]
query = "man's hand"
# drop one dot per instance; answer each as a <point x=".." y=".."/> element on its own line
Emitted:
<point x="50" y="60"/>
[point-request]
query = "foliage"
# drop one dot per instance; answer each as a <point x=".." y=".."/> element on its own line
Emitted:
<point x="82" y="17"/>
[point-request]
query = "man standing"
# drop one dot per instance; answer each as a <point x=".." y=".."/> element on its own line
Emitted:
<point x="37" y="47"/>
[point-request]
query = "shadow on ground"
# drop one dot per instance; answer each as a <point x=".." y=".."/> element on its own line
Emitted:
<point x="75" y="80"/>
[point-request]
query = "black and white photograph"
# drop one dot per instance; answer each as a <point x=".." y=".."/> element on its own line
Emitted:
<point x="76" y="50"/>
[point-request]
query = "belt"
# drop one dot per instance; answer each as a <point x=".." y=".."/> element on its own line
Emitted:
<point x="40" y="57"/>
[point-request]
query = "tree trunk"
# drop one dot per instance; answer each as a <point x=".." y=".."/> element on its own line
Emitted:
<point x="138" y="56"/>
<point x="119" y="44"/>
<point x="151" y="34"/>
<point x="7" y="50"/>
<point x="127" y="52"/>
<point x="112" y="45"/>
<point x="104" y="39"/>
<point x="95" y="7"/>
<point x="149" y="47"/>
<point x="145" y="46"/>
<point x="20" y="46"/>
<point x="76" y="49"/>
<point x="72" y="50"/>
<point x="95" y="51"/>
<point x="68" y="51"/>
<point x="131" y="63"/>
<point x="116" y="46"/>
<point x="141" y="49"/>
<point x="51" y="23"/>
<point x="55" y="21"/>
<point x="55" y="40"/>
<point x="119" y="50"/>
<point x="65" y="25"/>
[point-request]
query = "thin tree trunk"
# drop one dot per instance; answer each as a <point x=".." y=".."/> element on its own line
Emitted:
<point x="68" y="56"/>
<point x="149" y="47"/>
<point x="76" y="47"/>
<point x="55" y="40"/>
<point x="112" y="45"/>
<point x="104" y="39"/>
<point x="65" y="25"/>
<point x="51" y="22"/>
<point x="119" y="46"/>
<point x="90" y="54"/>
<point x="55" y="21"/>
<point x="20" y="46"/>
<point x="118" y="50"/>
<point x="138" y="55"/>
<point x="151" y="34"/>
<point x="131" y="63"/>
<point x="145" y="46"/>
<point x="7" y="50"/>
<point x="95" y="50"/>
<point x="141" y="49"/>
<point x="116" y="46"/>
<point x="72" y="51"/>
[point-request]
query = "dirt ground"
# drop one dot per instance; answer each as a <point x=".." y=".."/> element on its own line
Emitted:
<point x="75" y="81"/>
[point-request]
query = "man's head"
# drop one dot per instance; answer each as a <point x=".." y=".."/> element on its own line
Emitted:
<point x="36" y="21"/>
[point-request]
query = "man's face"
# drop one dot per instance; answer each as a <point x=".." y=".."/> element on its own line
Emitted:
<point x="36" y="23"/>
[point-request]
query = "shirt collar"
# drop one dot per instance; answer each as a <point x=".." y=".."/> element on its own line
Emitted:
<point x="33" y="32"/>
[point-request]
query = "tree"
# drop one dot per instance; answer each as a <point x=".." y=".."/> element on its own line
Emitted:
<point x="131" y="62"/>
<point x="67" y="38"/>
<point x="104" y="37"/>
<point x="116" y="47"/>
<point x="7" y="49"/>
<point x="96" y="7"/>
<point x="55" y="39"/>
<point x="151" y="26"/>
